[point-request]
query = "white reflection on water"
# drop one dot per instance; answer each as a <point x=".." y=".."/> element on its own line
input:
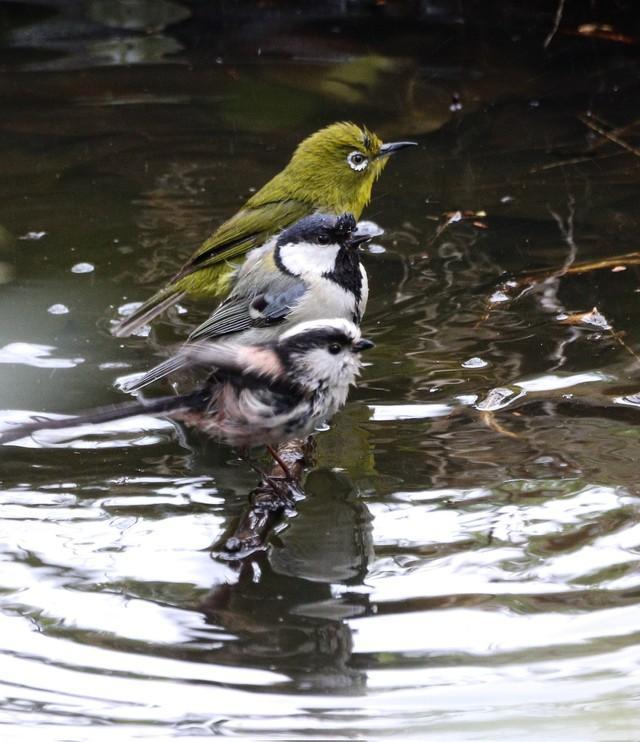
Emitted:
<point x="134" y="431"/>
<point x="409" y="411"/>
<point x="36" y="355"/>
<point x="500" y="561"/>
<point x="480" y="632"/>
<point x="475" y="662"/>
<point x="551" y="382"/>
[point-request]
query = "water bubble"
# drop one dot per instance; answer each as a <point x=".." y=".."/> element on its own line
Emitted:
<point x="58" y="309"/>
<point x="32" y="236"/>
<point x="474" y="362"/>
<point x="110" y="365"/>
<point x="456" y="103"/>
<point x="83" y="268"/>
<point x="366" y="226"/>
<point x="126" y="309"/>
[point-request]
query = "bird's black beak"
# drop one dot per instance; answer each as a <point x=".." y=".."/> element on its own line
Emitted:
<point x="363" y="234"/>
<point x="363" y="344"/>
<point x="390" y="147"/>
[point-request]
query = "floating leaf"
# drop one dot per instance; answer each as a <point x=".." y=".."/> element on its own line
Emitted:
<point x="497" y="398"/>
<point x="594" y="318"/>
<point x="603" y="31"/>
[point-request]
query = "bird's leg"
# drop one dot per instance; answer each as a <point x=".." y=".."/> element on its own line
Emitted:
<point x="246" y="456"/>
<point x="280" y="463"/>
<point x="267" y="477"/>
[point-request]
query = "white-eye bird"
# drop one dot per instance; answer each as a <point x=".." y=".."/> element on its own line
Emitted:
<point x="260" y="394"/>
<point x="332" y="171"/>
<point x="310" y="270"/>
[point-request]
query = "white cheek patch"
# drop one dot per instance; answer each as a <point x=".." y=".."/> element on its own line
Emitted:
<point x="323" y="367"/>
<point x="300" y="258"/>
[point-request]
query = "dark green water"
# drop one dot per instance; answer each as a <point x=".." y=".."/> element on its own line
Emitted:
<point x="460" y="568"/>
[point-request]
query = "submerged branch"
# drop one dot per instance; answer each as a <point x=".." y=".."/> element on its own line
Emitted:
<point x="556" y="23"/>
<point x="452" y="217"/>
<point x="610" y="135"/>
<point x="613" y="263"/>
<point x="269" y="502"/>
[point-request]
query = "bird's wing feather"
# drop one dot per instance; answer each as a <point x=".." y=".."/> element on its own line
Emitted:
<point x="275" y="306"/>
<point x="229" y="357"/>
<point x="241" y="311"/>
<point x="231" y="316"/>
<point x="253" y="303"/>
<point x="247" y="229"/>
<point x="257" y="361"/>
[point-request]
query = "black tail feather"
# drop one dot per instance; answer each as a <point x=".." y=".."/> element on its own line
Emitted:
<point x="193" y="400"/>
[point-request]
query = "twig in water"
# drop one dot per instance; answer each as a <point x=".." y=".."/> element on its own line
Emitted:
<point x="613" y="130"/>
<point x="566" y="230"/>
<point x="268" y="502"/>
<point x="610" y="135"/>
<point x="490" y="420"/>
<point x="556" y="24"/>
<point x="572" y="161"/>
<point x="459" y="216"/>
<point x="615" y="263"/>
<point x="614" y="134"/>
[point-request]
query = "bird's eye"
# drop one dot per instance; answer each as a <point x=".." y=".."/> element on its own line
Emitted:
<point x="357" y="161"/>
<point x="323" y="239"/>
<point x="335" y="348"/>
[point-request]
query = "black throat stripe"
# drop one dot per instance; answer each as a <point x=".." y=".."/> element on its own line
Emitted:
<point x="346" y="272"/>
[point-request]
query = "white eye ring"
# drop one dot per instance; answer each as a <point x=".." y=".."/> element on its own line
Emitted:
<point x="357" y="161"/>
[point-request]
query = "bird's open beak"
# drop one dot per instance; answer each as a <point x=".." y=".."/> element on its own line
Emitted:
<point x="363" y="344"/>
<point x="391" y="147"/>
<point x="363" y="233"/>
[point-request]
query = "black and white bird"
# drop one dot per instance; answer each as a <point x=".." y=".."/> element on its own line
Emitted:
<point x="258" y="394"/>
<point x="310" y="270"/>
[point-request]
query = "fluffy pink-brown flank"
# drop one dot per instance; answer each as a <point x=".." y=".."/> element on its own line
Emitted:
<point x="263" y="361"/>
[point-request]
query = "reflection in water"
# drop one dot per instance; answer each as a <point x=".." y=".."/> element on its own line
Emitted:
<point x="75" y="33"/>
<point x="137" y="15"/>
<point x="289" y="606"/>
<point x="147" y="50"/>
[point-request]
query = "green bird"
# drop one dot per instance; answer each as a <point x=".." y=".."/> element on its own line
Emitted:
<point x="332" y="171"/>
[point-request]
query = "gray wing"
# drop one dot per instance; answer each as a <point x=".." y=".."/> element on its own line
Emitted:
<point x="238" y="313"/>
<point x="260" y="308"/>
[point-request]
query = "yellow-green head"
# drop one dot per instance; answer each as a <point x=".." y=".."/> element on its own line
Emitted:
<point x="334" y="169"/>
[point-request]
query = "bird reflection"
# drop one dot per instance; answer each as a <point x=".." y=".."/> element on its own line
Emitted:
<point x="289" y="606"/>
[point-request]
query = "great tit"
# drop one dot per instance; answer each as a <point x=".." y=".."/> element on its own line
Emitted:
<point x="310" y="270"/>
